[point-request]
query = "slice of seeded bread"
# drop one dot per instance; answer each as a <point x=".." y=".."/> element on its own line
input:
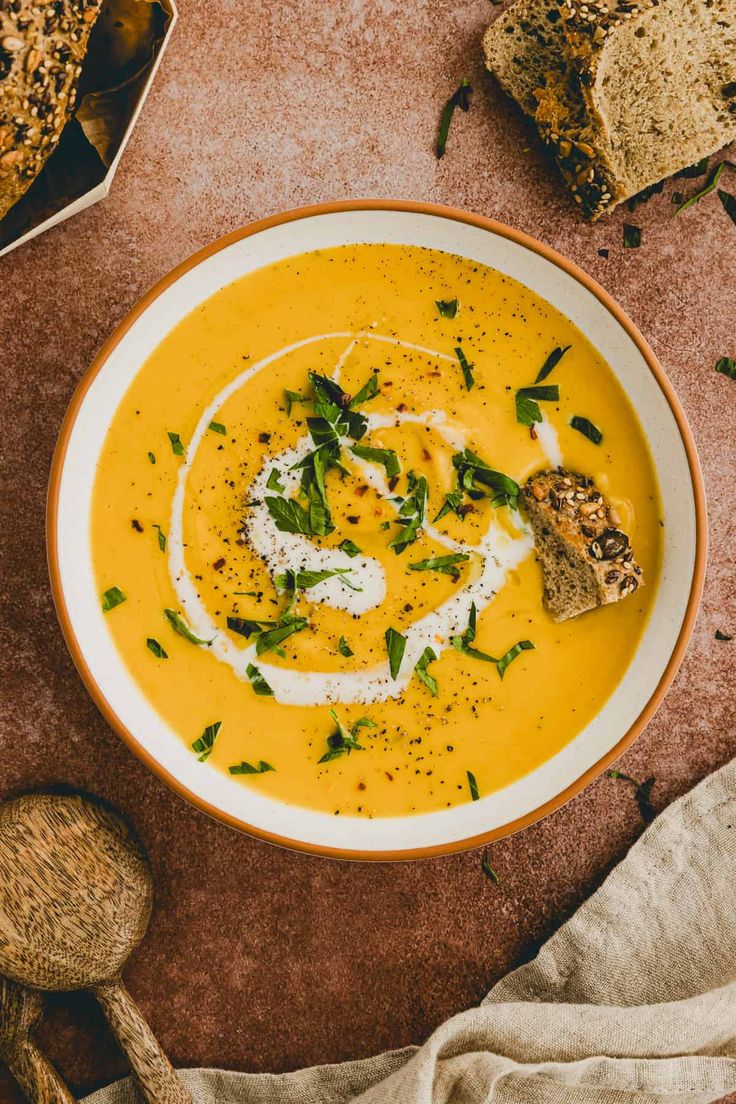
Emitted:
<point x="522" y="46"/>
<point x="649" y="89"/>
<point x="586" y="561"/>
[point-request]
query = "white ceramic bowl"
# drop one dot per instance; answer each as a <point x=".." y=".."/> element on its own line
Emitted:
<point x="548" y="275"/>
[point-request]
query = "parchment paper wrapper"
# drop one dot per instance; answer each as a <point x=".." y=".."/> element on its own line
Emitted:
<point x="125" y="50"/>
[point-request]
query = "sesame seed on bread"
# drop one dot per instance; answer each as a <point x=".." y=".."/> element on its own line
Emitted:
<point x="587" y="560"/>
<point x="42" y="46"/>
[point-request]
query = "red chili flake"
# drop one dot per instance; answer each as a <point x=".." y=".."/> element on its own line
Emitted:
<point x="402" y="407"/>
<point x="426" y="454"/>
<point x="532" y="432"/>
<point x="361" y="785"/>
<point x="389" y="776"/>
<point x="360" y="491"/>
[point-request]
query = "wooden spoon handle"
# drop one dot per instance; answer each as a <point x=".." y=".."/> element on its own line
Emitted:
<point x="36" y="1076"/>
<point x="148" y="1062"/>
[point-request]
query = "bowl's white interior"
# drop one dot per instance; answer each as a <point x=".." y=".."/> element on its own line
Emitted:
<point x="80" y="587"/>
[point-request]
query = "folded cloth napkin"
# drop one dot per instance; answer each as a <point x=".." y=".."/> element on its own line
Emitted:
<point x="633" y="999"/>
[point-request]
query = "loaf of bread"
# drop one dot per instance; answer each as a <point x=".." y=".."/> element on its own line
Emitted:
<point x="629" y="92"/>
<point x="42" y="46"/>
<point x="586" y="558"/>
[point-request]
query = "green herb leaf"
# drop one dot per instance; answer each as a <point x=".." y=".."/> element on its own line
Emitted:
<point x="490" y="873"/>
<point x="258" y="682"/>
<point x="176" y="446"/>
<point x="342" y="742"/>
<point x="344" y="648"/>
<point x="693" y="171"/>
<point x="245" y="626"/>
<point x="349" y="548"/>
<point x="643" y="794"/>
<point x="152" y="458"/>
<point x="387" y="457"/>
<point x="708" y="187"/>
<point x="411" y="514"/>
<point x="289" y="516"/>
<point x="428" y="656"/>
<point x="270" y="640"/>
<point x="330" y="396"/>
<point x="511" y="654"/>
<point x="587" y="428"/>
<point x="452" y="504"/>
<point x="727" y="367"/>
<point x="368" y="391"/>
<point x="459" y="98"/>
<point x="467" y="369"/>
<point x="112" y="597"/>
<point x="153" y="646"/>
<point x="729" y="204"/>
<point x="528" y="399"/>
<point x="443" y="564"/>
<point x="632" y="235"/>
<point x="473" y="785"/>
<point x="463" y="643"/>
<point x="722" y="636"/>
<point x="395" y="645"/>
<point x="273" y="483"/>
<point x="471" y="470"/>
<point x="217" y="427"/>
<point x="447" y="307"/>
<point x="304" y="580"/>
<point x="204" y="745"/>
<point x="180" y="626"/>
<point x="293" y="397"/>
<point x="247" y="768"/>
<point x="161" y="537"/>
<point x="551" y="362"/>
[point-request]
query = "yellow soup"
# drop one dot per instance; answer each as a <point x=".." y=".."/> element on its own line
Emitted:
<point x="314" y="646"/>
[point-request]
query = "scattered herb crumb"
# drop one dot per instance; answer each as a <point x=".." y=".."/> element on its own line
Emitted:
<point x="217" y="427"/>
<point x="722" y="636"/>
<point x="643" y="794"/>
<point x="466" y="368"/>
<point x="153" y="646"/>
<point x="708" y="187"/>
<point x="473" y="785"/>
<point x="258" y="682"/>
<point x="395" y="645"/>
<point x="152" y="458"/>
<point x="632" y="236"/>
<point x="176" y="446"/>
<point x="344" y="648"/>
<point x="729" y="204"/>
<point x="490" y="873"/>
<point x="447" y="307"/>
<point x="112" y="597"/>
<point x="459" y="98"/>
<point x="726" y="366"/>
<point x="261" y="767"/>
<point x="204" y="745"/>
<point x="587" y="428"/>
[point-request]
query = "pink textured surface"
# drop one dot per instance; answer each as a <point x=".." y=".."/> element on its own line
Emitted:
<point x="257" y="958"/>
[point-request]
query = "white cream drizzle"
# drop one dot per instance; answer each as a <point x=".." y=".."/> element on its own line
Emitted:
<point x="498" y="553"/>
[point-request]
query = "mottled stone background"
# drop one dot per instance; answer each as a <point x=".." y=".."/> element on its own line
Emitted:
<point x="256" y="958"/>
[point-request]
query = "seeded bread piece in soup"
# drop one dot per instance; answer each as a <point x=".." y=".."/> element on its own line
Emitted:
<point x="42" y="46"/>
<point x="586" y="559"/>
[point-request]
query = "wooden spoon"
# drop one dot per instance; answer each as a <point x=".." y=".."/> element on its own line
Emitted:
<point x="20" y="1013"/>
<point x="75" y="899"/>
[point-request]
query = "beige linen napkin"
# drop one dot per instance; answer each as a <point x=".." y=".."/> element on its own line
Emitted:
<point x="633" y="999"/>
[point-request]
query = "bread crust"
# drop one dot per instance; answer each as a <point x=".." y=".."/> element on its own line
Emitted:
<point x="586" y="558"/>
<point x="42" y="46"/>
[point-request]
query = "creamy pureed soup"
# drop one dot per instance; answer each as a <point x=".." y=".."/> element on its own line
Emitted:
<point x="307" y="540"/>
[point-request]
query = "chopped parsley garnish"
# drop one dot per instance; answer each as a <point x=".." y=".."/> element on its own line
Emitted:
<point x="729" y="204"/>
<point x="459" y="98"/>
<point x="329" y="394"/>
<point x="464" y="643"/>
<point x="291" y="517"/>
<point x="722" y="636"/>
<point x="258" y="682"/>
<point x="294" y="397"/>
<point x="342" y="742"/>
<point x="161" y="537"/>
<point x="587" y="428"/>
<point x="204" y="745"/>
<point x="152" y="457"/>
<point x="465" y="367"/>
<point x="709" y="186"/>
<point x="273" y="483"/>
<point x="443" y="564"/>
<point x="528" y="399"/>
<point x="447" y="307"/>
<point x="176" y="446"/>
<point x="551" y="362"/>
<point x="217" y="427"/>
<point x="643" y="794"/>
<point x="387" y="457"/>
<point x="511" y="654"/>
<point x="451" y="505"/>
<point x="632" y="235"/>
<point x="245" y="626"/>
<point x="344" y="648"/>
<point x="473" y="786"/>
<point x="112" y="597"/>
<point x="270" y="640"/>
<point x="411" y="513"/>
<point x="395" y="645"/>
<point x="350" y="548"/>
<point x="726" y="366"/>
<point x="490" y="873"/>
<point x="428" y="656"/>
<point x="261" y="767"/>
<point x="153" y="646"/>
<point x="471" y="471"/>
<point x="368" y="391"/>
<point x="180" y="626"/>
